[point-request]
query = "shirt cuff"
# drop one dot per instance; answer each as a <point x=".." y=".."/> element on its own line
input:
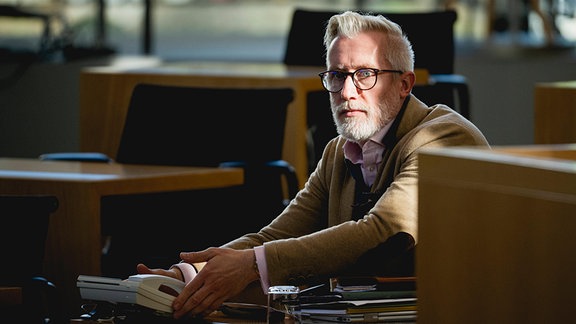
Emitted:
<point x="188" y="271"/>
<point x="260" y="255"/>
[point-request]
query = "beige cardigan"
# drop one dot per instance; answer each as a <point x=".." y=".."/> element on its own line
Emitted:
<point x="315" y="238"/>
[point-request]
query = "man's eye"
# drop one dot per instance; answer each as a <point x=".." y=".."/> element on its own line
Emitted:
<point x="364" y="73"/>
<point x="340" y="75"/>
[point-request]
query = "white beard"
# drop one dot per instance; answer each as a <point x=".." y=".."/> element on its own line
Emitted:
<point x="360" y="129"/>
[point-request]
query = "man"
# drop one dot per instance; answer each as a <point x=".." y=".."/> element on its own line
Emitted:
<point x="358" y="211"/>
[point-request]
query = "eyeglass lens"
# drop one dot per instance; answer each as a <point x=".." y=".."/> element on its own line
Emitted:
<point x="364" y="79"/>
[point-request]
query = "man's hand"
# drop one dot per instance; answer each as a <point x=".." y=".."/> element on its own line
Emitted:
<point x="225" y="274"/>
<point x="172" y="272"/>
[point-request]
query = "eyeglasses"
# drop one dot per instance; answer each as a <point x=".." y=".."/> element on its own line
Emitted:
<point x="364" y="79"/>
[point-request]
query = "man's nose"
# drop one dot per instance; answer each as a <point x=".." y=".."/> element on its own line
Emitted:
<point x="349" y="89"/>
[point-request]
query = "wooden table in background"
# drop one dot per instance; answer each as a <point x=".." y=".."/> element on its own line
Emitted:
<point x="105" y="97"/>
<point x="73" y="244"/>
<point x="555" y="113"/>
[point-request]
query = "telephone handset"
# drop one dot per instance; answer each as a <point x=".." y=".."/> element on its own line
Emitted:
<point x="161" y="289"/>
<point x="149" y="290"/>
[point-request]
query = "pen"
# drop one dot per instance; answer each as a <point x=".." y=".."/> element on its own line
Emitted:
<point x="311" y="288"/>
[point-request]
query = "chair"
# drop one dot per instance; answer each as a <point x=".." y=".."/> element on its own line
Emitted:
<point x="26" y="296"/>
<point x="28" y="55"/>
<point x="436" y="54"/>
<point x="193" y="126"/>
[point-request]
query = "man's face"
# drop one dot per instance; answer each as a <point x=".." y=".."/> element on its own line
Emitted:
<point x="359" y="114"/>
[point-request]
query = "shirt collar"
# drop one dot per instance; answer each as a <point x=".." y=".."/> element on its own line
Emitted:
<point x="353" y="150"/>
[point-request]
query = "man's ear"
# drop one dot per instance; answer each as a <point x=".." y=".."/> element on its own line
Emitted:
<point x="408" y="79"/>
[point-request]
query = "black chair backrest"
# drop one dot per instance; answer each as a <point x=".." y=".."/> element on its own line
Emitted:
<point x="25" y="221"/>
<point x="431" y="34"/>
<point x="173" y="125"/>
<point x="194" y="126"/>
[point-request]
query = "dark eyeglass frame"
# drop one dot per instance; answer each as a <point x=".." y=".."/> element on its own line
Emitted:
<point x="343" y="75"/>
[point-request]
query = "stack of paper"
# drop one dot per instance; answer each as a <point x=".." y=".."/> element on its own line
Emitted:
<point x="366" y="299"/>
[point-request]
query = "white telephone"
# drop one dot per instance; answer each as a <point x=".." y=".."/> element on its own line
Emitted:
<point x="152" y="291"/>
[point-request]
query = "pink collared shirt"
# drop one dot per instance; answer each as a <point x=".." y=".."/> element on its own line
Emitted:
<point x="369" y="156"/>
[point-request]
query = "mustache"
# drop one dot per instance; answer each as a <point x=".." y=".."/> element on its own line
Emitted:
<point x="346" y="106"/>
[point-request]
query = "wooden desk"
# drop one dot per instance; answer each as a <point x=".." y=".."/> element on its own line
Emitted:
<point x="73" y="245"/>
<point x="105" y="96"/>
<point x="555" y="112"/>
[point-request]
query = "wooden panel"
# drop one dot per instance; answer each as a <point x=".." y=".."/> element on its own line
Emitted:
<point x="496" y="241"/>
